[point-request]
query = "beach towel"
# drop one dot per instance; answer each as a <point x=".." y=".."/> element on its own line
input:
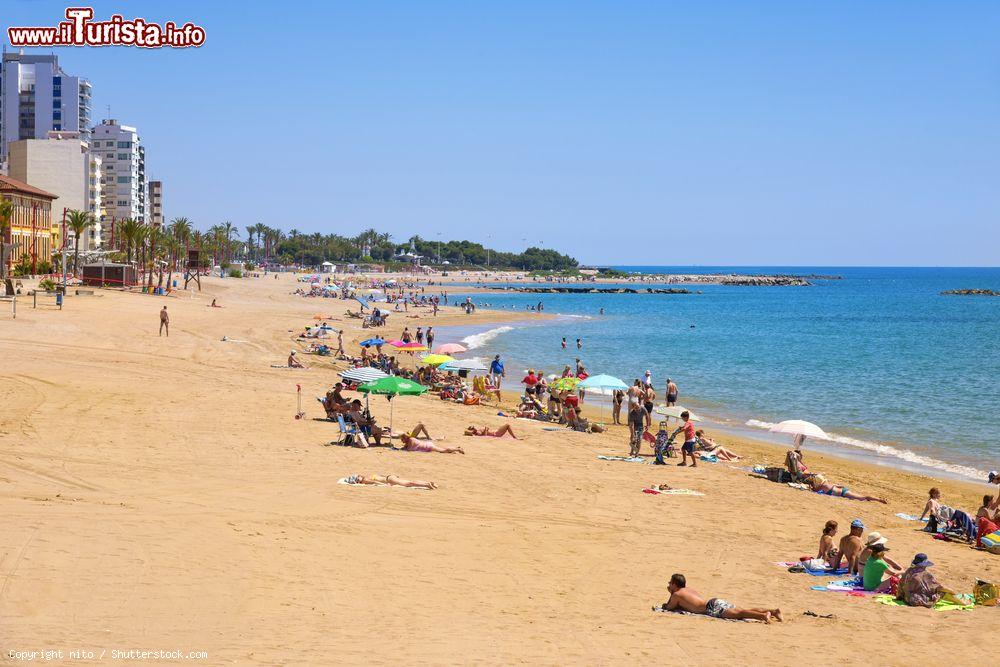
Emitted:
<point x="673" y="492"/>
<point x="909" y="517"/>
<point x="709" y="459"/>
<point x="289" y="367"/>
<point x="816" y="573"/>
<point x="343" y="480"/>
<point x="632" y="459"/>
<point x="691" y="613"/>
<point x="940" y="605"/>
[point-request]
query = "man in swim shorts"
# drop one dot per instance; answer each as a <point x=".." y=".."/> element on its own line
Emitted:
<point x="671" y="393"/>
<point x="683" y="598"/>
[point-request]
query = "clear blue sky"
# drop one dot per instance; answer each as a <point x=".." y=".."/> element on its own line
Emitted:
<point x="621" y="132"/>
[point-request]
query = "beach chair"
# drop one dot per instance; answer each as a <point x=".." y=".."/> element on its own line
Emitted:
<point x="348" y="434"/>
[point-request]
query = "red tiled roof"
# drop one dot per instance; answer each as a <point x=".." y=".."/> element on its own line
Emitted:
<point x="8" y="184"/>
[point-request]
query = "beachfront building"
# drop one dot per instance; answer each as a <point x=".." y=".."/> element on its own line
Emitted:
<point x="123" y="173"/>
<point x="154" y="201"/>
<point x="60" y="164"/>
<point x="38" y="97"/>
<point x="31" y="231"/>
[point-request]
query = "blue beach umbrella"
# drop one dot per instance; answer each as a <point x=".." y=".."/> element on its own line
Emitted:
<point x="602" y="384"/>
<point x="372" y="341"/>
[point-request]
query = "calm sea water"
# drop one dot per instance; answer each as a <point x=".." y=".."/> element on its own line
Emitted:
<point x="880" y="359"/>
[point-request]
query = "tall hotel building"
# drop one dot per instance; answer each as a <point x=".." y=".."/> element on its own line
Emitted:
<point x="123" y="166"/>
<point x="37" y="97"/>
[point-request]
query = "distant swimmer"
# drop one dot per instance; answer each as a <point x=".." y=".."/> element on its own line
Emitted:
<point x="564" y="343"/>
<point x="579" y="344"/>
<point x="602" y="311"/>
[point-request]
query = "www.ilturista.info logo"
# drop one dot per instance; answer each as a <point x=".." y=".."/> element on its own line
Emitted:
<point x="80" y="30"/>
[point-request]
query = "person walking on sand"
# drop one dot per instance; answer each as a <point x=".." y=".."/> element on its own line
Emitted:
<point x="430" y="338"/>
<point x="340" y="344"/>
<point x="690" y="440"/>
<point x="497" y="371"/>
<point x="164" y="322"/>
<point x="683" y="598"/>
<point x="671" y="393"/>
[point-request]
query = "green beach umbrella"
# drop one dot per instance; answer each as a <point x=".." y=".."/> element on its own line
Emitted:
<point x="390" y="387"/>
<point x="565" y="384"/>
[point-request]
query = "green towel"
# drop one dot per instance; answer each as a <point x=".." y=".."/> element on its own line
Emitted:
<point x="940" y="605"/>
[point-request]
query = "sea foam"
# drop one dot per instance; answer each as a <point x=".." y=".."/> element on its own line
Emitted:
<point x="893" y="452"/>
<point x="480" y="339"/>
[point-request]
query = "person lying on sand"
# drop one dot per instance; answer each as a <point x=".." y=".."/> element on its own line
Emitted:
<point x="389" y="480"/>
<point x="494" y="433"/>
<point x="818" y="483"/>
<point x="293" y="362"/>
<point x="709" y="448"/>
<point x="412" y="443"/>
<point x="683" y="598"/>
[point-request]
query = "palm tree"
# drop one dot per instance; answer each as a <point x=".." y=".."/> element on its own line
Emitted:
<point x="79" y="222"/>
<point x="6" y="211"/>
<point x="130" y="230"/>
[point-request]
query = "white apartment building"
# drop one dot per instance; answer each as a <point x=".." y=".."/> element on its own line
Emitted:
<point x="38" y="97"/>
<point x="123" y="169"/>
<point x="60" y="164"/>
<point x="154" y="203"/>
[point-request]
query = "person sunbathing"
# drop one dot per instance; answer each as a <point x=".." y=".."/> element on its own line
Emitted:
<point x="412" y="443"/>
<point x="818" y="483"/>
<point x="850" y="547"/>
<point x="389" y="480"/>
<point x="491" y="433"/>
<point x="293" y="362"/>
<point x="827" y="552"/>
<point x="683" y="598"/>
<point x="709" y="448"/>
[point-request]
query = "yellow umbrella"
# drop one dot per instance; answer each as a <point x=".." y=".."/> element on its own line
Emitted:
<point x="436" y="359"/>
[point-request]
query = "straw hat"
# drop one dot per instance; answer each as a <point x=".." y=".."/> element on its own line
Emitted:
<point x="875" y="538"/>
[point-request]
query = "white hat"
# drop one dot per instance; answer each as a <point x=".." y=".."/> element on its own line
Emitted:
<point x="874" y="538"/>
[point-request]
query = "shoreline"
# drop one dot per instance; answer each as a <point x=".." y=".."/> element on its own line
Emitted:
<point x="892" y="455"/>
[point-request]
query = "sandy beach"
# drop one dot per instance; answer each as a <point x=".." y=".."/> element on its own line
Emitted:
<point x="159" y="494"/>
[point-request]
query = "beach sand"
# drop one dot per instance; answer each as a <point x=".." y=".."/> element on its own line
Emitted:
<point x="159" y="494"/>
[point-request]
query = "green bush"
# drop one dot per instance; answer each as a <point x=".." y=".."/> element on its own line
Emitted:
<point x="235" y="273"/>
<point x="48" y="285"/>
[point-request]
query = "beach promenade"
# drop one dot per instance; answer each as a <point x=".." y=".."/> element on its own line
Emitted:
<point x="159" y="495"/>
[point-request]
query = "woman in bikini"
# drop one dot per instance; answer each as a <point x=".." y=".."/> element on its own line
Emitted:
<point x="412" y="443"/>
<point x="486" y="432"/>
<point x="389" y="480"/>
<point x="818" y="483"/>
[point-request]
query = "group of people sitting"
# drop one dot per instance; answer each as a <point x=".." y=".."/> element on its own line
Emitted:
<point x="950" y="521"/>
<point x="866" y="557"/>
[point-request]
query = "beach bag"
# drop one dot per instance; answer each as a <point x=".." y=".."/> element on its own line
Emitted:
<point x="986" y="593"/>
<point x="778" y="475"/>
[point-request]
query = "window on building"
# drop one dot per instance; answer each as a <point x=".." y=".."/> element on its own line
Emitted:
<point x="57" y="115"/>
<point x="123" y="156"/>
<point x="124" y="144"/>
<point x="57" y="127"/>
<point x="123" y="202"/>
<point x="56" y="104"/>
<point x="124" y="179"/>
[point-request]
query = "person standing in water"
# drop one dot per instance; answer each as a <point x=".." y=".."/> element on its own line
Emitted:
<point x="671" y="393"/>
<point x="564" y="342"/>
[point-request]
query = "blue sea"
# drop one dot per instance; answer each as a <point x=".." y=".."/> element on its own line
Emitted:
<point x="898" y="373"/>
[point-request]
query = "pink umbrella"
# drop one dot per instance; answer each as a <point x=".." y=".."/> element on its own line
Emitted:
<point x="397" y="343"/>
<point x="450" y="348"/>
<point x="412" y="347"/>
